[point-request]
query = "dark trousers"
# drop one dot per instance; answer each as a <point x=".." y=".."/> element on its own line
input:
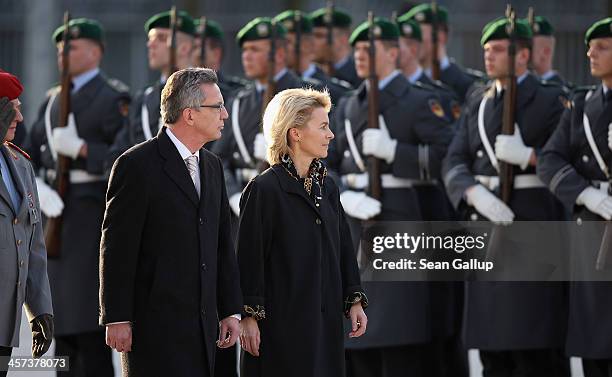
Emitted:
<point x="225" y="362"/>
<point x="4" y="352"/>
<point x="89" y="356"/>
<point x="415" y="360"/>
<point x="525" y="363"/>
<point x="597" y="368"/>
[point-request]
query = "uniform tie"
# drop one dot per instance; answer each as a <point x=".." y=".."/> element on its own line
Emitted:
<point x="192" y="166"/>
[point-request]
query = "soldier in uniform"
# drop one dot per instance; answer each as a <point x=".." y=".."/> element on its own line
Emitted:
<point x="458" y="78"/>
<point x="242" y="144"/>
<point x="519" y="327"/>
<point x="543" y="51"/>
<point x="344" y="65"/>
<point x="214" y="53"/>
<point x="99" y="111"/>
<point x="310" y="72"/>
<point x="411" y="142"/>
<point x="23" y="258"/>
<point x="574" y="165"/>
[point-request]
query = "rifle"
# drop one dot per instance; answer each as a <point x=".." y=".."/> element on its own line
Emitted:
<point x="329" y="24"/>
<point x="505" y="169"/>
<point x="203" y="41"/>
<point x="375" y="188"/>
<point x="297" y="25"/>
<point x="271" y="88"/>
<point x="61" y="182"/>
<point x="172" y="41"/>
<point x="435" y="60"/>
<point x="532" y="23"/>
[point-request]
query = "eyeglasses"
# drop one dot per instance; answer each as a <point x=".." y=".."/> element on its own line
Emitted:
<point x="220" y="107"/>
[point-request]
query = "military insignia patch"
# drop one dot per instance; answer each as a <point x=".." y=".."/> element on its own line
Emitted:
<point x="288" y="25"/>
<point x="179" y="22"/>
<point x="407" y="29"/>
<point x="456" y="109"/>
<point x="328" y="18"/>
<point x="74" y="32"/>
<point x="262" y="30"/>
<point x="536" y="28"/>
<point x="377" y="31"/>
<point x="420" y="17"/>
<point x="436" y="108"/>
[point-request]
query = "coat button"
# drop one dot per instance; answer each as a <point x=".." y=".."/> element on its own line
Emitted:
<point x="318" y="221"/>
<point x="201" y="221"/>
<point x="16" y="221"/>
<point x="18" y="242"/>
<point x="585" y="158"/>
<point x="204" y="267"/>
<point x="203" y="312"/>
<point x="20" y="263"/>
<point x="473" y="217"/>
<point x="479" y="153"/>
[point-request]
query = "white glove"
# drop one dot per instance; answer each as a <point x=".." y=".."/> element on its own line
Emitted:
<point x="50" y="202"/>
<point x="66" y="140"/>
<point x="596" y="201"/>
<point x="259" y="147"/>
<point x="378" y="143"/>
<point x="359" y="205"/>
<point x="610" y="136"/>
<point x="512" y="149"/>
<point x="489" y="205"/>
<point x="234" y="202"/>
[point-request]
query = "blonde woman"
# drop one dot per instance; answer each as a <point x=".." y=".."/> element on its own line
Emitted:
<point x="297" y="265"/>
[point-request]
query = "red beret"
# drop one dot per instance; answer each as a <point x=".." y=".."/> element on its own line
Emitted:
<point x="9" y="86"/>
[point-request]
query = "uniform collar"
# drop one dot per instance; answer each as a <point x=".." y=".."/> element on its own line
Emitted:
<point x="385" y="81"/>
<point x="416" y="75"/>
<point x="519" y="80"/>
<point x="340" y="63"/>
<point x="79" y="81"/>
<point x="310" y="71"/>
<point x="444" y="64"/>
<point x="260" y="87"/>
<point x="548" y="75"/>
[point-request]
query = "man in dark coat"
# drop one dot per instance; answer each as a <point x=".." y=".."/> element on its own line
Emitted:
<point x="574" y="164"/>
<point x="543" y="51"/>
<point x="242" y="146"/>
<point x="518" y="327"/>
<point x="168" y="273"/>
<point x="458" y="78"/>
<point x="411" y="143"/>
<point x="98" y="106"/>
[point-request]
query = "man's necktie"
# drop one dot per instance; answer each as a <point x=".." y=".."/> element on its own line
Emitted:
<point x="192" y="166"/>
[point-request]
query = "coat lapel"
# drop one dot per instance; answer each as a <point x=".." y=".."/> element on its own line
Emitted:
<point x="175" y="167"/>
<point x="291" y="185"/>
<point x="205" y="170"/>
<point x="16" y="174"/>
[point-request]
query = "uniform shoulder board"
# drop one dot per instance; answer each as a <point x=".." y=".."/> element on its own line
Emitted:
<point x="423" y="86"/>
<point x="54" y="90"/>
<point x="17" y="149"/>
<point x="236" y="81"/>
<point x="344" y="84"/>
<point x="118" y="85"/>
<point x="311" y="81"/>
<point x="478" y="75"/>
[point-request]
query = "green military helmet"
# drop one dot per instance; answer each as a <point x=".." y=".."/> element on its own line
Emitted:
<point x="384" y="30"/>
<point x="340" y="18"/>
<point x="289" y="18"/>
<point x="423" y="14"/>
<point x="81" y="28"/>
<point x="213" y="29"/>
<point x="184" y="22"/>
<point x="259" y="28"/>
<point x="541" y="26"/>
<point x="409" y="28"/>
<point x="600" y="29"/>
<point x="498" y="29"/>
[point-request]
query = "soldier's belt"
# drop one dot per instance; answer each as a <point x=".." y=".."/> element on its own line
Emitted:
<point x="521" y="181"/>
<point x="245" y="175"/>
<point x="78" y="176"/>
<point x="388" y="181"/>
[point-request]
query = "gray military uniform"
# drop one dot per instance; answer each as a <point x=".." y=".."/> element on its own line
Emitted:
<point x="23" y="258"/>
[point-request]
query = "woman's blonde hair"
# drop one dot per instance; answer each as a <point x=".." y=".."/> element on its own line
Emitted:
<point x="288" y="109"/>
